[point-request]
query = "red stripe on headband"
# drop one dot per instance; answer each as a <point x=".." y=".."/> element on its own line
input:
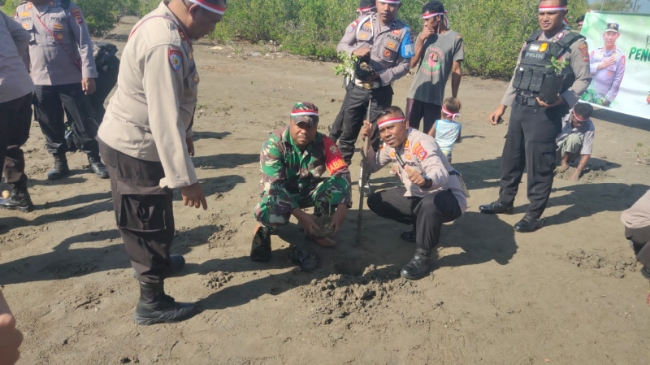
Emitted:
<point x="212" y="7"/>
<point x="578" y="118"/>
<point x="390" y="121"/>
<point x="361" y="10"/>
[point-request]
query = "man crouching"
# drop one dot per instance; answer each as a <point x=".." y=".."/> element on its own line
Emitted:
<point x="433" y="191"/>
<point x="293" y="162"/>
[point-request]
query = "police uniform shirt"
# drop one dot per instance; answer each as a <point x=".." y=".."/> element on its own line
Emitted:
<point x="578" y="55"/>
<point x="14" y="78"/>
<point x="420" y="153"/>
<point x="586" y="132"/>
<point x="638" y="216"/>
<point x="384" y="43"/>
<point x="607" y="82"/>
<point x="57" y="43"/>
<point x="150" y="114"/>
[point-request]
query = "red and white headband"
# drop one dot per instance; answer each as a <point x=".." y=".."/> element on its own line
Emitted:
<point x="579" y="118"/>
<point x="390" y="121"/>
<point x="543" y="9"/>
<point x="452" y="115"/>
<point x="303" y="112"/>
<point x="363" y="10"/>
<point x="210" y="7"/>
<point x="390" y="1"/>
<point x="431" y="15"/>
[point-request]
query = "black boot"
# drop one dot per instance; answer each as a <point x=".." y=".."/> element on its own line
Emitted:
<point x="409" y="236"/>
<point x="155" y="306"/>
<point x="496" y="208"/>
<point x="261" y="247"/>
<point x="18" y="199"/>
<point x="177" y="264"/>
<point x="98" y="167"/>
<point x="529" y="224"/>
<point x="419" y="265"/>
<point x="60" y="168"/>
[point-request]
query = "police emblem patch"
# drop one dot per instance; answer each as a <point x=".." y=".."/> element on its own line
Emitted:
<point x="334" y="150"/>
<point x="397" y="32"/>
<point x="76" y="12"/>
<point x="79" y="19"/>
<point x="419" y="151"/>
<point x="58" y="26"/>
<point x="59" y="36"/>
<point x="408" y="156"/>
<point x="387" y="53"/>
<point x="175" y="59"/>
<point x="24" y="14"/>
<point x="26" y="26"/>
<point x="29" y="5"/>
<point x="363" y="36"/>
<point x="352" y="27"/>
<point x="392" y="154"/>
<point x="585" y="52"/>
<point x="406" y="144"/>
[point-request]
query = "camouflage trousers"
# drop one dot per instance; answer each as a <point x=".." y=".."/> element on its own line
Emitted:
<point x="273" y="211"/>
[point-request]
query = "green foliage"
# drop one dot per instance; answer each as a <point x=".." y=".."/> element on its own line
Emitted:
<point x="346" y="65"/>
<point x="557" y="65"/>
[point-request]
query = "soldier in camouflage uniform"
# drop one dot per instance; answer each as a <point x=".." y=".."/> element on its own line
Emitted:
<point x="293" y="162"/>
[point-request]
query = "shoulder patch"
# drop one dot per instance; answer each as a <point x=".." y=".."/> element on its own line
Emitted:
<point x="397" y="31"/>
<point x="333" y="158"/>
<point x="419" y="151"/>
<point x="76" y="12"/>
<point x="585" y="52"/>
<point x="622" y="60"/>
<point x="352" y="27"/>
<point x="175" y="59"/>
<point x="29" y="5"/>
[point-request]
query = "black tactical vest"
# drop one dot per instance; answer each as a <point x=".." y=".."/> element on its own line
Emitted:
<point x="532" y="70"/>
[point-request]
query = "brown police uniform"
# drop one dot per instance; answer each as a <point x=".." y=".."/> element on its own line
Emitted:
<point x="142" y="138"/>
<point x="384" y="43"/>
<point x="637" y="228"/>
<point x="60" y="55"/>
<point x="16" y="89"/>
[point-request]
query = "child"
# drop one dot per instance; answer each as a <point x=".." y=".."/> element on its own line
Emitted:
<point x="447" y="131"/>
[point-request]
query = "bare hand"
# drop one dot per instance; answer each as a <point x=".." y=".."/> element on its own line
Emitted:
<point x="193" y="196"/>
<point x="426" y="33"/>
<point x="607" y="62"/>
<point x="306" y="221"/>
<point x="495" y="116"/>
<point x="366" y="130"/>
<point x="361" y="52"/>
<point x="88" y="86"/>
<point x="557" y="102"/>
<point x="575" y="176"/>
<point x="416" y="177"/>
<point x="10" y="337"/>
<point x="190" y="146"/>
<point x="338" y="217"/>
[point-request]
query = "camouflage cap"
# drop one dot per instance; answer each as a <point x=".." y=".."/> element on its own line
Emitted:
<point x="305" y="112"/>
<point x="612" y="27"/>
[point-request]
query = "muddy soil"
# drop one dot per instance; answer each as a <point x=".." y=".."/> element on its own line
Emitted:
<point x="570" y="293"/>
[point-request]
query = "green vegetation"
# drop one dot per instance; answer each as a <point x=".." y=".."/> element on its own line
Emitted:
<point x="493" y="30"/>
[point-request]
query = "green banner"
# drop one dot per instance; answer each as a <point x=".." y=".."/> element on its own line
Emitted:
<point x="619" y="55"/>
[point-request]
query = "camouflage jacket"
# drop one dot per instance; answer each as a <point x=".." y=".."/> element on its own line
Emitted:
<point x="288" y="172"/>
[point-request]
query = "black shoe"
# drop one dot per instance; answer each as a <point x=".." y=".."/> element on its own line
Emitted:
<point x="496" y="208"/>
<point x="18" y="199"/>
<point x="408" y="236"/>
<point x="645" y="271"/>
<point x="98" y="167"/>
<point x="529" y="224"/>
<point x="418" y="267"/>
<point x="261" y="247"/>
<point x="60" y="168"/>
<point x="177" y="264"/>
<point x="161" y="308"/>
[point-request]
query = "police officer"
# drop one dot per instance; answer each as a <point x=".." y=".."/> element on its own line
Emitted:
<point x="385" y="43"/>
<point x="63" y="69"/>
<point x="366" y="7"/>
<point x="16" y="89"/>
<point x="293" y="161"/>
<point x="607" y="66"/>
<point x="433" y="192"/>
<point x="145" y="140"/>
<point x="534" y="123"/>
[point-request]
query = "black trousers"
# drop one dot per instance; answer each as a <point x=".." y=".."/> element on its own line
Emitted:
<point x="427" y="213"/>
<point x="530" y="143"/>
<point x="15" y="122"/>
<point x="143" y="212"/>
<point x="640" y="238"/>
<point x="106" y="80"/>
<point x="416" y="110"/>
<point x="337" y="127"/>
<point x="355" y="108"/>
<point x="49" y="104"/>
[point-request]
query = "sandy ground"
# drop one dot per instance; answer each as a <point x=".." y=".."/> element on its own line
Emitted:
<point x="567" y="294"/>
